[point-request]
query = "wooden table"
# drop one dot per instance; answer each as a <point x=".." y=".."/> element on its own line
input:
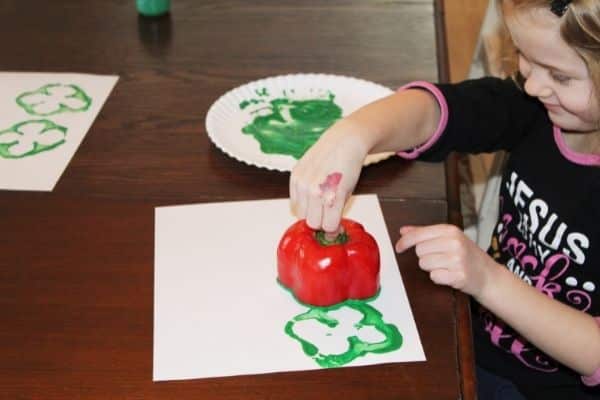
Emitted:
<point x="76" y="272"/>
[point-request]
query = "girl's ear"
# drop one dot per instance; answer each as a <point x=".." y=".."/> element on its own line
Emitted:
<point x="519" y="79"/>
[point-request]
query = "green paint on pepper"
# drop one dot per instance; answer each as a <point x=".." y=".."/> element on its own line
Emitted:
<point x="356" y="347"/>
<point x="291" y="126"/>
<point x="54" y="98"/>
<point x="29" y="138"/>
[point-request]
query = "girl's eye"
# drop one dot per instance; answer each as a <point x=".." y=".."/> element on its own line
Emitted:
<point x="560" y="78"/>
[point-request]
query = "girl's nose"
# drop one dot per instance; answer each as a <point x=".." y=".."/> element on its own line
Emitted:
<point x="536" y="87"/>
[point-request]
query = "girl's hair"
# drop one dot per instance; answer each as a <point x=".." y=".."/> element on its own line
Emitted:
<point x="580" y="29"/>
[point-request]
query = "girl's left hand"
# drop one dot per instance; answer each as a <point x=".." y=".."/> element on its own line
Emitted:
<point x="450" y="257"/>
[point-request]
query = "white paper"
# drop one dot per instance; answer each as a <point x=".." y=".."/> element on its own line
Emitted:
<point x="218" y="310"/>
<point x="48" y="101"/>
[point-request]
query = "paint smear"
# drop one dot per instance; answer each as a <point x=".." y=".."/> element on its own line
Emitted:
<point x="288" y="126"/>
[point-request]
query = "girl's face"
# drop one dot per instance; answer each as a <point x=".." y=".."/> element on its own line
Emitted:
<point x="553" y="71"/>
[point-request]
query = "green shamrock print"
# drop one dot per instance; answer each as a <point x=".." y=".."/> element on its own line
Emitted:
<point x="357" y="327"/>
<point x="54" y="98"/>
<point x="29" y="138"/>
<point x="288" y="126"/>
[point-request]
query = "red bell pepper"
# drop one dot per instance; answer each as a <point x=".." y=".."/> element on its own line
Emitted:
<point x="321" y="272"/>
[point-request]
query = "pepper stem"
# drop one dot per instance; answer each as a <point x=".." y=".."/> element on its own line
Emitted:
<point x="321" y="237"/>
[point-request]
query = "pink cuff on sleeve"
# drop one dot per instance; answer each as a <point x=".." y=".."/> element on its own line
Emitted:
<point x="414" y="153"/>
<point x="594" y="379"/>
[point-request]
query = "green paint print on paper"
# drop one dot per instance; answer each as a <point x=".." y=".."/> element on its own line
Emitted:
<point x="378" y="337"/>
<point x="54" y="98"/>
<point x="290" y="126"/>
<point x="29" y="138"/>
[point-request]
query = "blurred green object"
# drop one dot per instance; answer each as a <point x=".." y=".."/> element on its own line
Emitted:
<point x="153" y="8"/>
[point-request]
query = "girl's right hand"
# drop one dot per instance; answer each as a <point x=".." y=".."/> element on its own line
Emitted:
<point x="325" y="177"/>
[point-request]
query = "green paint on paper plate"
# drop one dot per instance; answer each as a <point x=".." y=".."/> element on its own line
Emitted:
<point x="288" y="126"/>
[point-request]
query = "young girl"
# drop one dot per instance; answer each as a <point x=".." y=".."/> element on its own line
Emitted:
<point x="537" y="290"/>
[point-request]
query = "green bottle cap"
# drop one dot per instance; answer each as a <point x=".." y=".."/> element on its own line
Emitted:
<point x="153" y="8"/>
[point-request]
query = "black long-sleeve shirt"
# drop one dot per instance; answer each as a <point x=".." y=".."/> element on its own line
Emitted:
<point x="548" y="229"/>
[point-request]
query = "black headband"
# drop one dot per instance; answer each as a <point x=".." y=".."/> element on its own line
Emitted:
<point x="559" y="7"/>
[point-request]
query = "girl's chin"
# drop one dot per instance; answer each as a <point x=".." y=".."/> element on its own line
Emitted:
<point x="556" y="120"/>
<point x="560" y="119"/>
<point x="568" y="125"/>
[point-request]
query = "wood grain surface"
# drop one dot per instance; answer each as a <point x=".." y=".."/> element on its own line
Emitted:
<point x="76" y="273"/>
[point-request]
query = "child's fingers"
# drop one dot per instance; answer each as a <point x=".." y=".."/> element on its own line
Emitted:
<point x="406" y="228"/>
<point x="301" y="206"/>
<point x="298" y="194"/>
<point x="440" y="244"/>
<point x="333" y="215"/>
<point x="435" y="261"/>
<point x="314" y="212"/>
<point x="442" y="276"/>
<point x="419" y="234"/>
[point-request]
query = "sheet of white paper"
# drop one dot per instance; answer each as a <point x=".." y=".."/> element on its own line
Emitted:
<point x="43" y="119"/>
<point x="218" y="310"/>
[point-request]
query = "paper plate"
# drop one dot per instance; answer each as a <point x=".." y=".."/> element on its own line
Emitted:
<point x="271" y="122"/>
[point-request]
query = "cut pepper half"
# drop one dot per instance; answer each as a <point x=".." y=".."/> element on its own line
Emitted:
<point x="323" y="273"/>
